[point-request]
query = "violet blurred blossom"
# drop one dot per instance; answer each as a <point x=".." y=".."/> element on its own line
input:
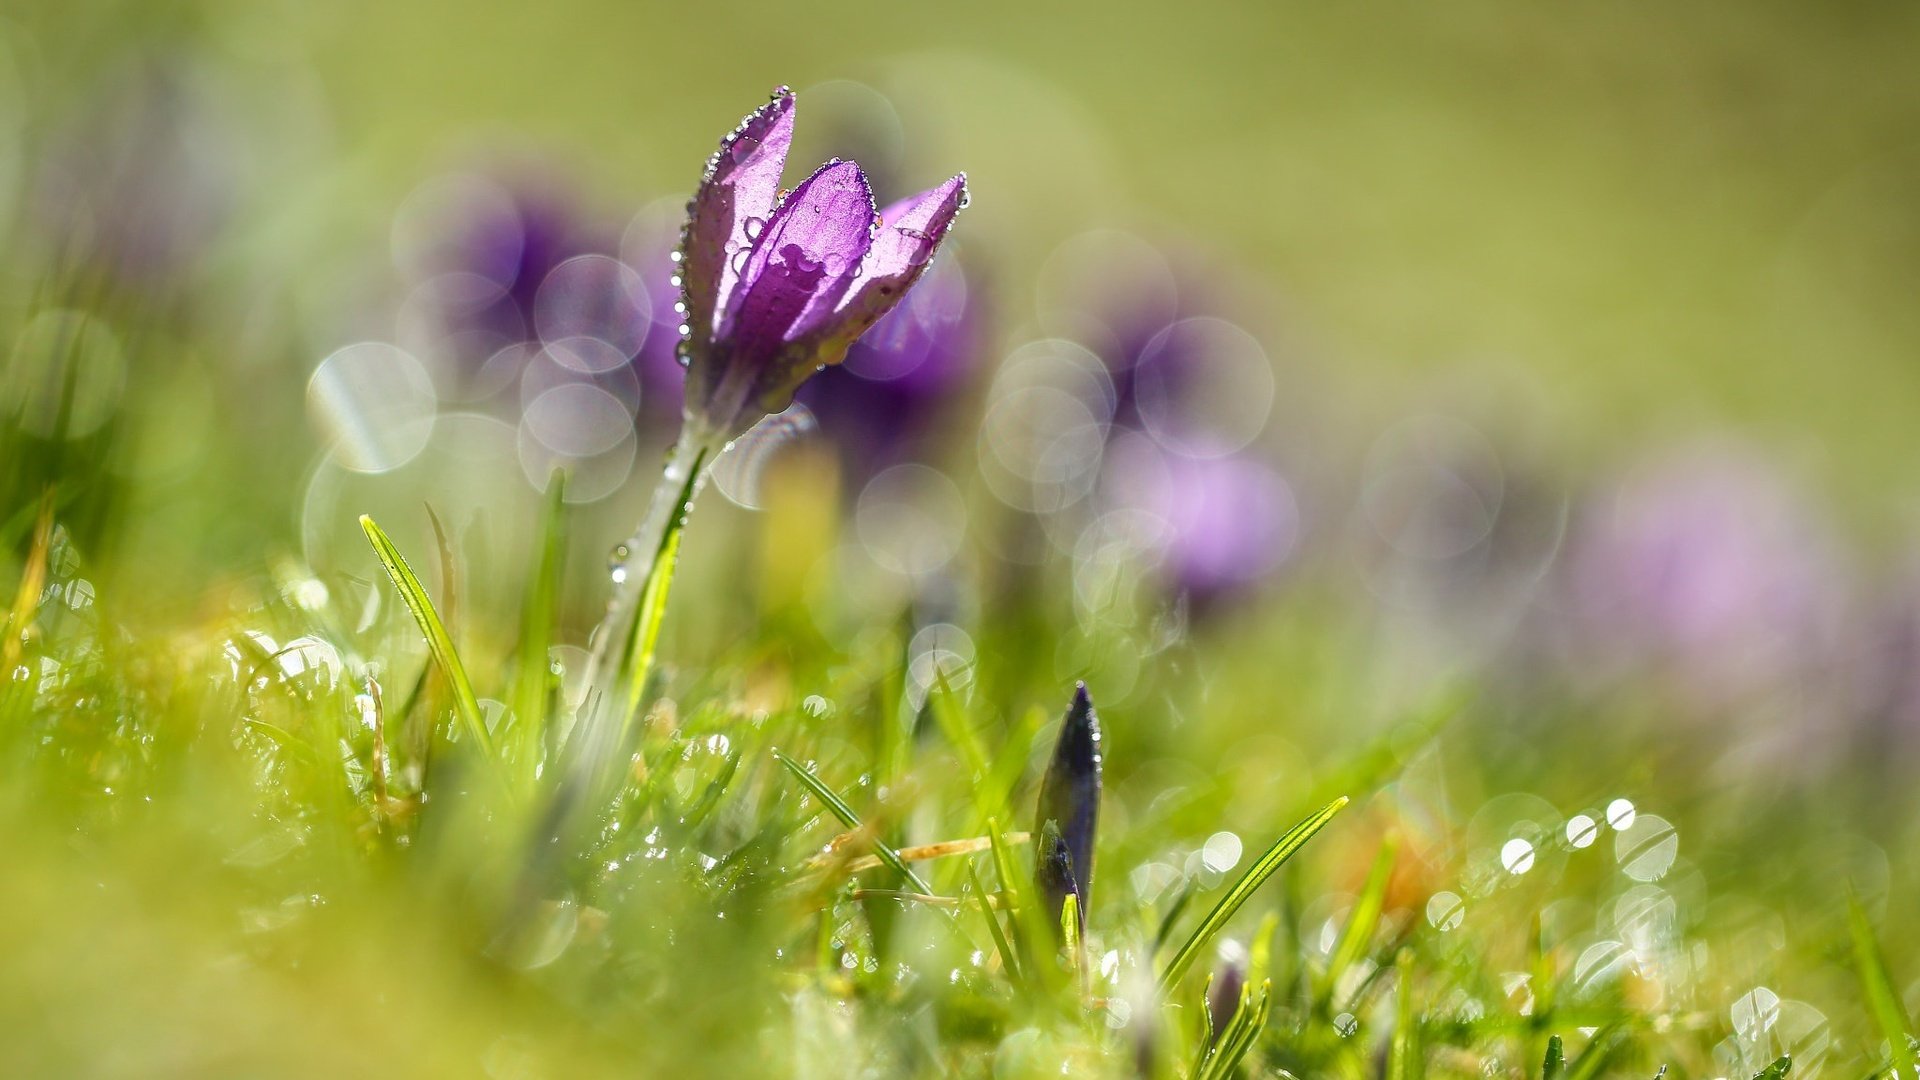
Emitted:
<point x="776" y="287"/>
<point x="1191" y="393"/>
<point x="1215" y="527"/>
<point x="1707" y="568"/>
<point x="143" y="181"/>
<point x="884" y="404"/>
<point x="487" y="249"/>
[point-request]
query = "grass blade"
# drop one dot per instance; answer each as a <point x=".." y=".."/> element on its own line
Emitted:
<point x="1000" y="943"/>
<point x="851" y="820"/>
<point x="1600" y="1050"/>
<point x="438" y="642"/>
<point x="1275" y="857"/>
<point x="33" y="579"/>
<point x="1405" y="1059"/>
<point x="1776" y="1071"/>
<point x="540" y="610"/>
<point x="1249" y="1020"/>
<point x="1882" y="997"/>
<point x="1365" y="919"/>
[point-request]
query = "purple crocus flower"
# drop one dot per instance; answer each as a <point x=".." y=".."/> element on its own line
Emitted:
<point x="776" y="286"/>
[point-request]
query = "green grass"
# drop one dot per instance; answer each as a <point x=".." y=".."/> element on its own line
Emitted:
<point x="335" y="844"/>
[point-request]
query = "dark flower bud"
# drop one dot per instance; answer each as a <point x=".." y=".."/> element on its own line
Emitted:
<point x="1069" y="811"/>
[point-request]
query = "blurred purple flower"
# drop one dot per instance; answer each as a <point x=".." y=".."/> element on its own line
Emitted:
<point x="516" y="282"/>
<point x="143" y="180"/>
<point x="1190" y="395"/>
<point x="1709" y="568"/>
<point x="883" y="405"/>
<point x="775" y="287"/>
<point x="1214" y="526"/>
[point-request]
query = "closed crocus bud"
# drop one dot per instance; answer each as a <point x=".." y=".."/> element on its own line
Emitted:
<point x="1053" y="877"/>
<point x="1069" y="811"/>
<point x="776" y="287"/>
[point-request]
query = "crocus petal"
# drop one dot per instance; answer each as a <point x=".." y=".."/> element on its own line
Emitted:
<point x="910" y="232"/>
<point x="731" y="209"/>
<point x="802" y="265"/>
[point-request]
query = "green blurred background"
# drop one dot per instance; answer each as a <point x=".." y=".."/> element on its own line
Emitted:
<point x="1662" y="215"/>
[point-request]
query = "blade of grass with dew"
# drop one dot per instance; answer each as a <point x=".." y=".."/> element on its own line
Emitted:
<point x="33" y="579"/>
<point x="1776" y="1071"/>
<point x="1249" y="1020"/>
<point x="533" y="673"/>
<point x="1275" y="857"/>
<point x="449" y="606"/>
<point x="1218" y="1041"/>
<point x="1406" y="1059"/>
<point x="1554" y="1066"/>
<point x="1541" y="982"/>
<point x="651" y="611"/>
<point x="838" y="807"/>
<point x="1206" y="1028"/>
<point x="949" y="713"/>
<point x="1000" y="943"/>
<point x="1882" y="997"/>
<point x="1357" y="935"/>
<point x="1600" y="1050"/>
<point x="438" y="641"/>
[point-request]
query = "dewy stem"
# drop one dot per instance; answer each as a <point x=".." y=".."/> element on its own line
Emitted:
<point x="610" y="705"/>
<point x="695" y="444"/>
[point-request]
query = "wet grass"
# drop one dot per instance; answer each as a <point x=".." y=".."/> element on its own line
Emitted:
<point x="237" y="842"/>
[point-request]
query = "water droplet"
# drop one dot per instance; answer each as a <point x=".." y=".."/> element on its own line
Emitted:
<point x="919" y="245"/>
<point x="752" y="227"/>
<point x="1346" y="1025"/>
<point x="1582" y="831"/>
<point x="743" y="148"/>
<point x="1517" y="856"/>
<point x="739" y="260"/>
<point x="1620" y="813"/>
<point x="617" y="563"/>
<point x="1445" y="911"/>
